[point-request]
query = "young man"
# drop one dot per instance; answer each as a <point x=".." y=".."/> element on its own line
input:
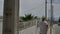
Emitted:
<point x="43" y="26"/>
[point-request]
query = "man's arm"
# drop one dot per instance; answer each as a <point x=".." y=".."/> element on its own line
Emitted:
<point x="46" y="26"/>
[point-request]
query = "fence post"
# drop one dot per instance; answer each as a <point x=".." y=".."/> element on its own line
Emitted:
<point x="24" y="24"/>
<point x="36" y="28"/>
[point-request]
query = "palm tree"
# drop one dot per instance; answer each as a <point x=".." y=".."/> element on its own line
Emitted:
<point x="28" y="17"/>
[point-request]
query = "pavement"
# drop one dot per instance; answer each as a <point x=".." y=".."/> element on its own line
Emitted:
<point x="0" y="27"/>
<point x="31" y="30"/>
<point x="34" y="30"/>
<point x="56" y="29"/>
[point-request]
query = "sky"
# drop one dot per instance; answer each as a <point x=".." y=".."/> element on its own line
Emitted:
<point x="35" y="7"/>
<point x="1" y="7"/>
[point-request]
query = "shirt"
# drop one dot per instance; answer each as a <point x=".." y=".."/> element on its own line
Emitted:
<point x="43" y="27"/>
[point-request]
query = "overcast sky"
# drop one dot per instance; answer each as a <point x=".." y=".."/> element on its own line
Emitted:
<point x="35" y="7"/>
<point x="1" y="7"/>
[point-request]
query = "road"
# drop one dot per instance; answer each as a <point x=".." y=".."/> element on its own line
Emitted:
<point x="34" y="30"/>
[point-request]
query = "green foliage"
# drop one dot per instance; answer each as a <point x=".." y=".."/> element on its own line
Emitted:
<point x="27" y="17"/>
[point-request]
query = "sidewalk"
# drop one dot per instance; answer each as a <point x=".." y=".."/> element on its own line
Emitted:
<point x="33" y="30"/>
<point x="55" y="29"/>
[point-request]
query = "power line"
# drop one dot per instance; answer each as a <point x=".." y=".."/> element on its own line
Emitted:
<point x="33" y="8"/>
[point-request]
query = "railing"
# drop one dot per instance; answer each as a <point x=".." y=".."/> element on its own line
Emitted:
<point x="24" y="25"/>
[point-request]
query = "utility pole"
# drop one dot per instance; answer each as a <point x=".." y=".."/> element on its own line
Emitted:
<point x="46" y="8"/>
<point x="51" y="24"/>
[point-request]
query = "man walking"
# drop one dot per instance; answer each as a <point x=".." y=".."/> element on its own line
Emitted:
<point x="43" y="26"/>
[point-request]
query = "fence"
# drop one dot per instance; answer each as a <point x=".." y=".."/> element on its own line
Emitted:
<point x="24" y="25"/>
